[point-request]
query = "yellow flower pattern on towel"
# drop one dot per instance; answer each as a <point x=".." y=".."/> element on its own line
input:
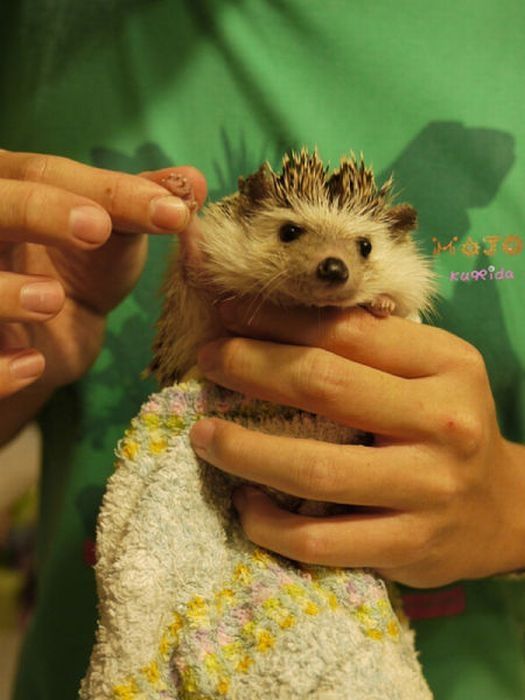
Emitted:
<point x="211" y="642"/>
<point x="255" y="628"/>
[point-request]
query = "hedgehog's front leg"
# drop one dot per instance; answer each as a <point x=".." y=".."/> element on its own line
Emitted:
<point x="181" y="187"/>
<point x="383" y="305"/>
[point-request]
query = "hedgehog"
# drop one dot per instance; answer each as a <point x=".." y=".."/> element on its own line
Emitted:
<point x="302" y="237"/>
<point x="189" y="606"/>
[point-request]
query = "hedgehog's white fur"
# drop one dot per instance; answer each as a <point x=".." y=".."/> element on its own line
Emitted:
<point x="243" y="256"/>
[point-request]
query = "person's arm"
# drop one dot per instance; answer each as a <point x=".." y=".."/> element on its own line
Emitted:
<point x="72" y="245"/>
<point x="441" y="492"/>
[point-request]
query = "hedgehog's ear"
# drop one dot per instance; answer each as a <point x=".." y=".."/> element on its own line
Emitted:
<point x="401" y="219"/>
<point x="256" y="187"/>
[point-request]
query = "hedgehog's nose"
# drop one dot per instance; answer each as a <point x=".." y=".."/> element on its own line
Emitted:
<point x="332" y="271"/>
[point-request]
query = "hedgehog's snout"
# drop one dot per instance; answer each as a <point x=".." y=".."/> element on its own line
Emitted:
<point x="332" y="271"/>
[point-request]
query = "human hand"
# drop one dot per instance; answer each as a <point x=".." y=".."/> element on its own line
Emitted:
<point x="72" y="245"/>
<point x="441" y="493"/>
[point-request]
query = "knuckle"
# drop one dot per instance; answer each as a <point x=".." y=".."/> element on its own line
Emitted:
<point x="336" y="327"/>
<point x="113" y="192"/>
<point x="470" y="359"/>
<point x="359" y="322"/>
<point x="417" y="553"/>
<point x="417" y="545"/>
<point x="312" y="547"/>
<point x="459" y="485"/>
<point x="424" y="542"/>
<point x="447" y="490"/>
<point x="317" y="478"/>
<point x="31" y="208"/>
<point x="319" y="380"/>
<point x="35" y="168"/>
<point x="410" y="542"/>
<point x="233" y="357"/>
<point x="463" y="430"/>
<point x="399" y="553"/>
<point x="347" y="330"/>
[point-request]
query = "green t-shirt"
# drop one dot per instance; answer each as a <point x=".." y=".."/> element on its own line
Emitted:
<point x="429" y="91"/>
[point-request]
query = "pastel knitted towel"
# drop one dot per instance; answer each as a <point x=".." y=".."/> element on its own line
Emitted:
<point x="189" y="608"/>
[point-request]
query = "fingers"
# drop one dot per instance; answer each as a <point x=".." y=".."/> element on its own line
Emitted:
<point x="393" y="345"/>
<point x="27" y="298"/>
<point x="395" y="477"/>
<point x="321" y="382"/>
<point x="24" y="298"/>
<point x="135" y="204"/>
<point x="378" y="541"/>
<point x="18" y="369"/>
<point x="50" y="216"/>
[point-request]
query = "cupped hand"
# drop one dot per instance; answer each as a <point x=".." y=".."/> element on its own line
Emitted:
<point x="72" y="245"/>
<point x="440" y="493"/>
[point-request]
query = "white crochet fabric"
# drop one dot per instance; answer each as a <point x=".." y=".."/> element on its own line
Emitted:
<point x="190" y="609"/>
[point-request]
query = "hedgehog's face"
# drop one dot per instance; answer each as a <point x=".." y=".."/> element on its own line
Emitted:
<point x="312" y="255"/>
<point x="310" y="237"/>
<point x="321" y="269"/>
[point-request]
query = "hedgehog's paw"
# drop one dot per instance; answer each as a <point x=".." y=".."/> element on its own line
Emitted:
<point x="383" y="305"/>
<point x="181" y="187"/>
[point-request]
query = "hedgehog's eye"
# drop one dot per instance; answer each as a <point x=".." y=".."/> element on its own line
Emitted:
<point x="289" y="232"/>
<point x="365" y="247"/>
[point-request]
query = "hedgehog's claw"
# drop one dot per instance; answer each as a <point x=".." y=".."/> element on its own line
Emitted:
<point x="383" y="305"/>
<point x="181" y="187"/>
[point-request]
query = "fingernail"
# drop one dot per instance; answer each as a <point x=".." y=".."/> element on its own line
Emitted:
<point x="201" y="434"/>
<point x="89" y="224"/>
<point x="43" y="297"/>
<point x="169" y="213"/>
<point x="27" y="366"/>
